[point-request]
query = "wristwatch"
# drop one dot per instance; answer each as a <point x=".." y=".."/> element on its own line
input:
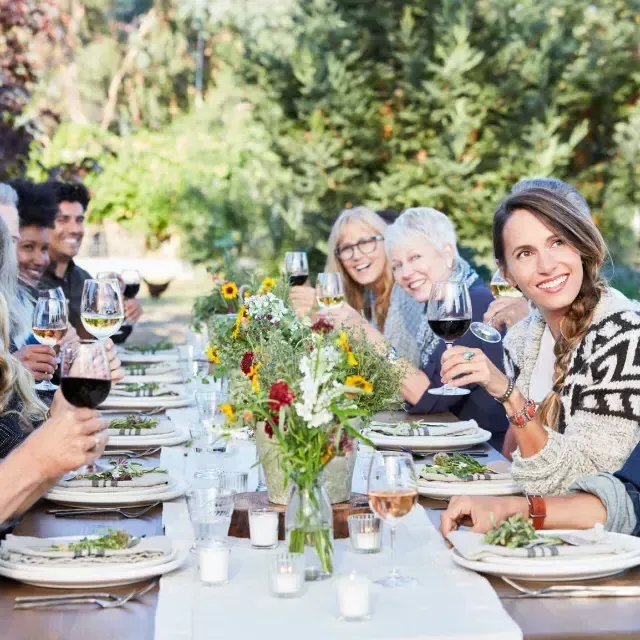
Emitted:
<point x="537" y="510"/>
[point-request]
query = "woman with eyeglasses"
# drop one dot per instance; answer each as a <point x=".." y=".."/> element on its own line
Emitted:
<point x="357" y="252"/>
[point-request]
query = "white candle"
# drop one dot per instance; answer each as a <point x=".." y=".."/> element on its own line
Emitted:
<point x="367" y="541"/>
<point x="353" y="597"/>
<point x="286" y="583"/>
<point x="263" y="528"/>
<point x="214" y="564"/>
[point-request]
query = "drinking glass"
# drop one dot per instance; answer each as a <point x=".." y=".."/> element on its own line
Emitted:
<point x="49" y="327"/>
<point x="131" y="279"/>
<point x="297" y="267"/>
<point x="500" y="288"/>
<point x="101" y="309"/>
<point x="210" y="511"/>
<point x="392" y="491"/>
<point x="330" y="290"/>
<point x="85" y="374"/>
<point x="449" y="316"/>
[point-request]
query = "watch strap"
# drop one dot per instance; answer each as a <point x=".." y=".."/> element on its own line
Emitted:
<point x="537" y="510"/>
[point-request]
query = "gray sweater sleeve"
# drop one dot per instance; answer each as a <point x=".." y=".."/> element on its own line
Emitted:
<point x="621" y="516"/>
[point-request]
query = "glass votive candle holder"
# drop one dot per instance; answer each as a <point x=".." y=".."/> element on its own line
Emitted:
<point x="213" y="563"/>
<point x="236" y="481"/>
<point x="353" y="596"/>
<point x="286" y="574"/>
<point x="365" y="533"/>
<point x="263" y="528"/>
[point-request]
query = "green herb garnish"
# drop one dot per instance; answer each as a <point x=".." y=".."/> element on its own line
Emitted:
<point x="141" y="386"/>
<point x="121" y="470"/>
<point x="113" y="539"/>
<point x="456" y="464"/>
<point x="161" y="345"/>
<point x="133" y="422"/>
<point x="516" y="532"/>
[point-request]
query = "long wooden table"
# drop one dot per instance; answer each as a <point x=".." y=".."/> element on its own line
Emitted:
<point x="540" y="619"/>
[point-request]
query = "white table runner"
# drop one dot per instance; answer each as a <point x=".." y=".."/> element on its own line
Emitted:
<point x="448" y="603"/>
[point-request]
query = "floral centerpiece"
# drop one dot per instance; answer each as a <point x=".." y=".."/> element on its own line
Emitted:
<point x="303" y="387"/>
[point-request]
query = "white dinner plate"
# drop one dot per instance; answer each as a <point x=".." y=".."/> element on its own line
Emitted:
<point x="165" y="378"/>
<point x="183" y="399"/>
<point x="430" y="443"/>
<point x="179" y="436"/>
<point x="435" y="489"/>
<point x="86" y="577"/>
<point x="129" y="357"/>
<point x="129" y="498"/>
<point x="557" y="569"/>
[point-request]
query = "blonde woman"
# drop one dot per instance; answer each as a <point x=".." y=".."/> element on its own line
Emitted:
<point x="573" y="384"/>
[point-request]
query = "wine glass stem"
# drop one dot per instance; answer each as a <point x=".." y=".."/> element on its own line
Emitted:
<point x="392" y="534"/>
<point x="448" y="346"/>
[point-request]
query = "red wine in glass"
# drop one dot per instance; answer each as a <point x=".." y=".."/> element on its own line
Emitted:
<point x="85" y="375"/>
<point x="297" y="280"/>
<point x="85" y="392"/>
<point x="450" y="329"/>
<point x="297" y="267"/>
<point x="131" y="290"/>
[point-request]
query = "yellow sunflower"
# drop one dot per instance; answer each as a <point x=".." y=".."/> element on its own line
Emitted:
<point x="359" y="383"/>
<point x="343" y="343"/>
<point x="242" y="313"/>
<point x="253" y="376"/>
<point x="267" y="284"/>
<point x="228" y="411"/>
<point x="213" y="355"/>
<point x="229" y="290"/>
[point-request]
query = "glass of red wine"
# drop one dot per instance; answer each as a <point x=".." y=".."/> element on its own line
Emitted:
<point x="297" y="267"/>
<point x="85" y="374"/>
<point x="131" y="279"/>
<point x="449" y="316"/>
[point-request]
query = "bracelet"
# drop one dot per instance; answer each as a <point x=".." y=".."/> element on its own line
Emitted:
<point x="526" y="414"/>
<point x="510" y="387"/>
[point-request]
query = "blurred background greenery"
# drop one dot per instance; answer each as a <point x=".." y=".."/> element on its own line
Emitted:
<point x="248" y="125"/>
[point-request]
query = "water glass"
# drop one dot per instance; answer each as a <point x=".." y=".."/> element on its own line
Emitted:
<point x="216" y="478"/>
<point x="206" y="401"/>
<point x="286" y="574"/>
<point x="365" y="533"/>
<point x="210" y="511"/>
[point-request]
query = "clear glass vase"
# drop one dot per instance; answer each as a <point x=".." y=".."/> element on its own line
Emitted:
<point x="309" y="526"/>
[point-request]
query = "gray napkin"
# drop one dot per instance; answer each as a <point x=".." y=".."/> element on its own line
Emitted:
<point x="462" y="428"/>
<point x="37" y="551"/>
<point x="161" y="391"/>
<point x="160" y="369"/>
<point x="162" y="428"/>
<point x="147" y="480"/>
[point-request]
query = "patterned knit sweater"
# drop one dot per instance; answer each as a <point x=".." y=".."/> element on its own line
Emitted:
<point x="598" y="426"/>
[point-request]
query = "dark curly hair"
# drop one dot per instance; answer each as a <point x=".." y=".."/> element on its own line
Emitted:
<point x="72" y="192"/>
<point x="37" y="204"/>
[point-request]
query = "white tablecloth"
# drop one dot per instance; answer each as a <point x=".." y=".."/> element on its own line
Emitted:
<point x="448" y="603"/>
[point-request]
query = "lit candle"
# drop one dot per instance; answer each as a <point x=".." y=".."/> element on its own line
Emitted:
<point x="353" y="597"/>
<point x="286" y="574"/>
<point x="368" y="540"/>
<point x="263" y="528"/>
<point x="285" y="584"/>
<point x="214" y="564"/>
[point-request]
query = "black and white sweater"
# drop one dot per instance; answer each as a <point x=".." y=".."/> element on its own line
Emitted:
<point x="599" y="422"/>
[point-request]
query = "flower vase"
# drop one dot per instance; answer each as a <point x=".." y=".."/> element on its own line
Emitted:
<point x="338" y="473"/>
<point x="309" y="527"/>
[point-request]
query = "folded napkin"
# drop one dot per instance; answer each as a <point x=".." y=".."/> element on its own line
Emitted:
<point x="473" y="547"/>
<point x="160" y="369"/>
<point x="147" y="480"/>
<point x="498" y="470"/>
<point x="39" y="551"/>
<point x="162" y="428"/>
<point x="421" y="428"/>
<point x="159" y="392"/>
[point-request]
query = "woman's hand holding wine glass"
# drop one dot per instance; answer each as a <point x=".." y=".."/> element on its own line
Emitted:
<point x="458" y="368"/>
<point x="392" y="491"/>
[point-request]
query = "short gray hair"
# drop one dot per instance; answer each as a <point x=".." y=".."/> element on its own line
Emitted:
<point x="564" y="190"/>
<point x="8" y="195"/>
<point x="422" y="223"/>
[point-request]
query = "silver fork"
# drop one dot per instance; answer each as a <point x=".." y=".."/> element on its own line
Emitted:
<point x="569" y="591"/>
<point x="108" y="602"/>
<point x="130" y="454"/>
<point x="137" y="513"/>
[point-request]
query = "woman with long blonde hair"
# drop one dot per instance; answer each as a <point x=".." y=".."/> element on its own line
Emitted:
<point x="572" y="391"/>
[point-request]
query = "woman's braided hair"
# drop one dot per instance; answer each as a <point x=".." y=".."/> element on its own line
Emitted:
<point x="571" y="225"/>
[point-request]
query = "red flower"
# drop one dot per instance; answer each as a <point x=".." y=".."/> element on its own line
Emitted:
<point x="321" y="326"/>
<point x="268" y="429"/>
<point x="280" y="396"/>
<point x="246" y="362"/>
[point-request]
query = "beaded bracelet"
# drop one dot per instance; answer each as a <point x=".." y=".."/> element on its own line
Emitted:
<point x="510" y="387"/>
<point x="526" y="414"/>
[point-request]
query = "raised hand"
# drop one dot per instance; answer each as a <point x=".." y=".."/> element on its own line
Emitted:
<point x="39" y="359"/>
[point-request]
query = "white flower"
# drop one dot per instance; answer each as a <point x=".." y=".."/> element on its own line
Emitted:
<point x="267" y="305"/>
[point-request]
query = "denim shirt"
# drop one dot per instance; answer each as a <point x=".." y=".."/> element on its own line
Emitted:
<point x="629" y="475"/>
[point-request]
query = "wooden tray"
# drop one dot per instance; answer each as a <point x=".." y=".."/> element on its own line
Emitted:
<point x="259" y="500"/>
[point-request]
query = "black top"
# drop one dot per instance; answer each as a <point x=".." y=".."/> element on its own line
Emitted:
<point x="477" y="405"/>
<point x="11" y="431"/>
<point x="71" y="283"/>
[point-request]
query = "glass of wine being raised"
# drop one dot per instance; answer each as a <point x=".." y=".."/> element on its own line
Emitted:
<point x="449" y="316"/>
<point x="392" y="491"/>
<point x="330" y="290"/>
<point x="297" y="267"/>
<point x="101" y="310"/>
<point x="49" y="327"/>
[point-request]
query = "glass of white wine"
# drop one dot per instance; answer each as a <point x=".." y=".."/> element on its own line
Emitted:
<point x="330" y="290"/>
<point x="101" y="310"/>
<point x="49" y="327"/>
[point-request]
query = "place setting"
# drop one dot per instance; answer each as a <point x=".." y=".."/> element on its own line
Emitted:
<point x="109" y="558"/>
<point x="160" y="373"/>
<point x="142" y="431"/>
<point x="146" y="396"/>
<point x="162" y="352"/>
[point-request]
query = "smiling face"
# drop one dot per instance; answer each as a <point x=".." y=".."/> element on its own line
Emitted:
<point x="67" y="235"/>
<point x="547" y="270"/>
<point x="33" y="253"/>
<point x="365" y="268"/>
<point x="417" y="264"/>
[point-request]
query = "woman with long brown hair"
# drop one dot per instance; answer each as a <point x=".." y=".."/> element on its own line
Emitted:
<point x="572" y="391"/>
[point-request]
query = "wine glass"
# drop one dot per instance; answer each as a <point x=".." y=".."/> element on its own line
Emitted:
<point x="330" y="290"/>
<point x="449" y="316"/>
<point x="392" y="490"/>
<point x="49" y="327"/>
<point x="500" y="288"/>
<point x="131" y="279"/>
<point x="297" y="267"/>
<point x="101" y="309"/>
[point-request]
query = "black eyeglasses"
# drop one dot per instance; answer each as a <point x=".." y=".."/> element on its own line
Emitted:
<point x="366" y="246"/>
